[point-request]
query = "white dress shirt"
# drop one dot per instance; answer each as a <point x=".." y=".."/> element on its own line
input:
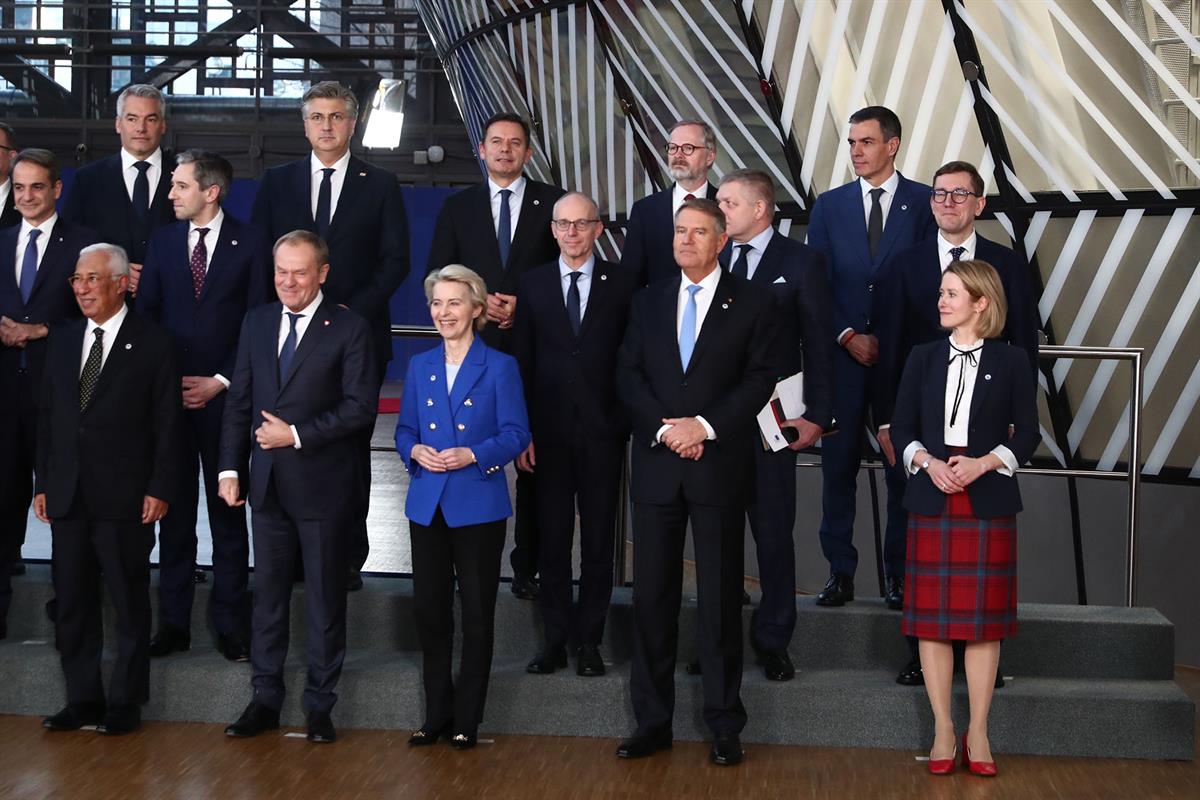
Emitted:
<point x="210" y="238"/>
<point x="584" y="281"/>
<point x="517" y="188"/>
<point x="679" y="194"/>
<point x="758" y="245"/>
<point x="111" y="328"/>
<point x="704" y="299"/>
<point x="944" y="247"/>
<point x="154" y="174"/>
<point x="336" y="181"/>
<point x="43" y="240"/>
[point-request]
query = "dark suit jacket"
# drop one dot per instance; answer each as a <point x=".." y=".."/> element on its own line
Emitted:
<point x="570" y="382"/>
<point x="912" y="279"/>
<point x="330" y="396"/>
<point x="98" y="200"/>
<point x="796" y="276"/>
<point x="1003" y="395"/>
<point x="238" y="279"/>
<point x="9" y="214"/>
<point x="123" y="447"/>
<point x="729" y="379"/>
<point x="368" y="236"/>
<point x="52" y="302"/>
<point x="648" y="252"/>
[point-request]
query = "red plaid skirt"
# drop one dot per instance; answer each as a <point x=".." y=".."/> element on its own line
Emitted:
<point x="960" y="578"/>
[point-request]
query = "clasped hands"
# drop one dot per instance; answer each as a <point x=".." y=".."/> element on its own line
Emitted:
<point x="685" y="437"/>
<point x="18" y="334"/>
<point x="198" y="390"/>
<point x="447" y="460"/>
<point x="955" y="475"/>
<point x="501" y="308"/>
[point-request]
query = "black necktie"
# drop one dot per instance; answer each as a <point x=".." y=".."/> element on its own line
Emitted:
<point x="504" y="227"/>
<point x="956" y="253"/>
<point x="91" y="370"/>
<point x="289" y="347"/>
<point x="324" y="201"/>
<point x="875" y="221"/>
<point x="741" y="265"/>
<point x="141" y="191"/>
<point x="573" y="314"/>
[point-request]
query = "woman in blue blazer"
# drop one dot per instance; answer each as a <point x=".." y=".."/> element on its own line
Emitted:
<point x="462" y="418"/>
<point x="965" y="419"/>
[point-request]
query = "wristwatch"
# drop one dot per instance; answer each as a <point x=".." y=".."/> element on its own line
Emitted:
<point x="925" y="464"/>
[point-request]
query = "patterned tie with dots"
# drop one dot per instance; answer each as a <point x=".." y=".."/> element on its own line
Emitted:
<point x="91" y="370"/>
<point x="199" y="263"/>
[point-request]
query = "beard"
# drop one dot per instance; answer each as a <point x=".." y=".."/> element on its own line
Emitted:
<point x="681" y="172"/>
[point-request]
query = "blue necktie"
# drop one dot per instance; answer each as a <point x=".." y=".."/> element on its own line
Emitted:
<point x="573" y="303"/>
<point x="29" y="266"/>
<point x="288" y="351"/>
<point x="504" y="227"/>
<point x="741" y="265"/>
<point x="141" y="191"/>
<point x="687" y="329"/>
<point x="324" y="202"/>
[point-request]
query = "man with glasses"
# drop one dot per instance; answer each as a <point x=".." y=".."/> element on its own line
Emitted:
<point x="690" y="152"/>
<point x="568" y="367"/>
<point x="357" y="210"/>
<point x="8" y="150"/>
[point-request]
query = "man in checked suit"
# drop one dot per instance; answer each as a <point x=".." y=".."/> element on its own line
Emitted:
<point x="8" y="151"/>
<point x="519" y="210"/>
<point x="36" y="258"/>
<point x="305" y="388"/>
<point x="694" y="368"/>
<point x="202" y="275"/>
<point x="857" y="226"/>
<point x="124" y="197"/>
<point x="691" y="150"/>
<point x="569" y="325"/>
<point x="357" y="209"/>
<point x="107" y="470"/>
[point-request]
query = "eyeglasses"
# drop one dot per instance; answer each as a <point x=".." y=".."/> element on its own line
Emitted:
<point x="317" y="118"/>
<point x="90" y="280"/>
<point x="578" y="224"/>
<point x="957" y="196"/>
<point x="686" y="149"/>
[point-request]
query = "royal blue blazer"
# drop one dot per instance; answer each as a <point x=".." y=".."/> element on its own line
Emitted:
<point x="485" y="411"/>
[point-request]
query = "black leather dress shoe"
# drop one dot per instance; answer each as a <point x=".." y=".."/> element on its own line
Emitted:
<point x="893" y="593"/>
<point x="588" y="663"/>
<point x="233" y="647"/>
<point x="320" y="728"/>
<point x="726" y="750"/>
<point x="548" y="659"/>
<point x="463" y="741"/>
<point x="777" y="665"/>
<point x="641" y="744"/>
<point x="169" y="639"/>
<point x="911" y="675"/>
<point x="120" y="720"/>
<point x="525" y="587"/>
<point x="74" y="717"/>
<point x="999" y="684"/>
<point x="256" y="719"/>
<point x="838" y="591"/>
<point x="354" y="582"/>
<point x="427" y="735"/>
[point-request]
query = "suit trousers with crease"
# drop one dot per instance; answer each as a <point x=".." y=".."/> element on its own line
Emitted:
<point x="439" y="553"/>
<point x="358" y="544"/>
<point x="772" y="518"/>
<point x="18" y="429"/>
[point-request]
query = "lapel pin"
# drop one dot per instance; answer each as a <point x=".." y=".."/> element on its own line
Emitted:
<point x="234" y="242"/>
<point x="724" y="305"/>
<point x="326" y="323"/>
<point x="603" y="277"/>
<point x="904" y="208"/>
<point x="128" y="346"/>
<point x="537" y="202"/>
<point x="433" y="377"/>
<point x="362" y="174"/>
<point x="987" y="377"/>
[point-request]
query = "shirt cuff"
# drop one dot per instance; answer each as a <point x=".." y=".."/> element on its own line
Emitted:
<point x="1010" y="461"/>
<point x="885" y="426"/>
<point x="658" y="436"/>
<point x="296" y="436"/>
<point x="227" y="473"/>
<point x="222" y="379"/>
<point x="708" y="429"/>
<point x="842" y="335"/>
<point x="907" y="458"/>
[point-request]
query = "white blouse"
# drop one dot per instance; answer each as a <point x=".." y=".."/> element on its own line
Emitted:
<point x="451" y="374"/>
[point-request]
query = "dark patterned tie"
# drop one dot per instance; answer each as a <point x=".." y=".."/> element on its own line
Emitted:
<point x="29" y="266"/>
<point x="324" y="202"/>
<point x="573" y="303"/>
<point x="689" y="196"/>
<point x="288" y="351"/>
<point x="199" y="263"/>
<point x="956" y="253"/>
<point x="141" y="191"/>
<point x="91" y="370"/>
<point x="875" y="221"/>
<point x="741" y="265"/>
<point x="504" y="227"/>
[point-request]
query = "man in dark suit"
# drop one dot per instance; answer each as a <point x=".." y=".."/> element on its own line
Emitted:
<point x="796" y="277"/>
<point x="305" y="387"/>
<point x="519" y="210"/>
<point x="8" y="151"/>
<point x="124" y="197"/>
<point x="857" y="226"/>
<point x="569" y="325"/>
<point x="648" y="254"/>
<point x="694" y="368"/>
<point x="108" y="425"/>
<point x="36" y="258"/>
<point x="357" y="209"/>
<point x="202" y="275"/>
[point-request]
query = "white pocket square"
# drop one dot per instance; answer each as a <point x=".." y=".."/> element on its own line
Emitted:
<point x="780" y="279"/>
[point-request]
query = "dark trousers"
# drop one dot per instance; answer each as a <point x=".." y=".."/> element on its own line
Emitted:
<point x="589" y="471"/>
<point x="177" y="534"/>
<point x="358" y="545"/>
<point x="18" y="431"/>
<point x="439" y="553"/>
<point x="88" y="551"/>
<point x="524" y="555"/>
<point x="322" y="548"/>
<point x="772" y="517"/>
<point x="840" y="457"/>
<point x="717" y="534"/>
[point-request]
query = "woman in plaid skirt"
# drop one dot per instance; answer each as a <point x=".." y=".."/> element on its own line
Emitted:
<point x="965" y="418"/>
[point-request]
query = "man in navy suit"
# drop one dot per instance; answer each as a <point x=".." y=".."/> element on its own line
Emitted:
<point x="569" y="326"/>
<point x="857" y="226"/>
<point x="691" y="150"/>
<point x="8" y="151"/>
<point x="305" y="388"/>
<point x="358" y="210"/>
<point x="36" y="258"/>
<point x="518" y="209"/>
<point x="201" y="276"/>
<point x="124" y="197"/>
<point x="795" y="274"/>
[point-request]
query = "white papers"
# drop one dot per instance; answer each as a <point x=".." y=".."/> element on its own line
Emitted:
<point x="787" y="402"/>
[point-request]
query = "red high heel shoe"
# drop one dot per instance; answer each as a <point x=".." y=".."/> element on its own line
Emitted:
<point x="943" y="766"/>
<point x="984" y="769"/>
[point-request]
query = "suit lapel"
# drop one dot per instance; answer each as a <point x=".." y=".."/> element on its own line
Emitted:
<point x="528" y="220"/>
<point x="852" y="210"/>
<point x="480" y="213"/>
<point x="983" y="377"/>
<point x="940" y="369"/>
<point x="768" y="264"/>
<point x="469" y="373"/>
<point x="54" y="250"/>
<point x="223" y="252"/>
<point x="899" y="219"/>
<point x="597" y="295"/>
<point x="313" y="335"/>
<point x="668" y="333"/>
<point x="268" y="340"/>
<point x="723" y="300"/>
<point x="301" y="180"/>
<point x="356" y="178"/>
<point x="8" y="264"/>
<point x="122" y="352"/>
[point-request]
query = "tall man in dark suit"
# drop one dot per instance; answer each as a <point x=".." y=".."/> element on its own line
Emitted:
<point x="305" y="387"/>
<point x="694" y="368"/>
<point x="857" y="226"/>
<point x="570" y="322"/>
<point x="202" y="275"/>
<point x="124" y="197"/>
<point x="357" y="209"/>
<point x="8" y="202"/>
<point x="796" y="277"/>
<point x="519" y="210"/>
<point x="36" y="258"/>
<point x="648" y="254"/>
<point x="108" y="425"/>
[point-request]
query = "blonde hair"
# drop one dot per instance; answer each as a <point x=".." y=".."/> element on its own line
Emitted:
<point x="457" y="273"/>
<point x="980" y="279"/>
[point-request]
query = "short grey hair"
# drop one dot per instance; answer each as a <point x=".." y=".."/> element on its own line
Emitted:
<point x="142" y="90"/>
<point x="210" y="168"/>
<point x="117" y="259"/>
<point x="710" y="136"/>
<point x="329" y="90"/>
<point x="707" y="207"/>
<point x="595" y="206"/>
<point x="457" y="273"/>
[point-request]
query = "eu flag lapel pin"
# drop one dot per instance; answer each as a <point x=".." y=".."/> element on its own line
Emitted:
<point x="234" y="242"/>
<point x="326" y="323"/>
<point x="904" y="208"/>
<point x="128" y="346"/>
